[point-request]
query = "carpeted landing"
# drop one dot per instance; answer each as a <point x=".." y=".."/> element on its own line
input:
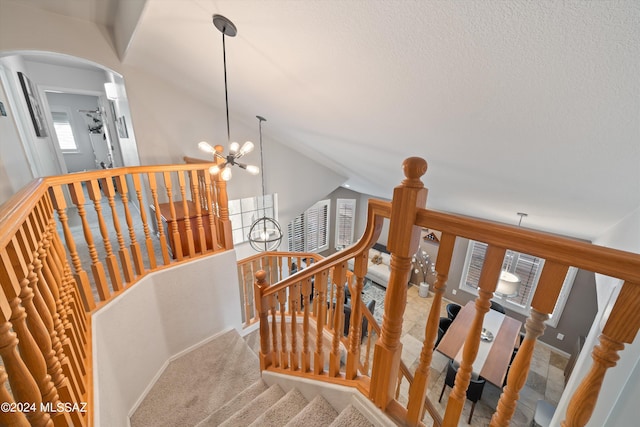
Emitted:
<point x="219" y="384"/>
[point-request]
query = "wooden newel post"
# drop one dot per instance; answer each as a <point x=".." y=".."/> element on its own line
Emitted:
<point x="262" y="308"/>
<point x="403" y="242"/>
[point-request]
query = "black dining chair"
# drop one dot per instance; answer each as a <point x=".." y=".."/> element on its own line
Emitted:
<point x="497" y="307"/>
<point x="443" y="325"/>
<point x="474" y="392"/>
<point x="452" y="310"/>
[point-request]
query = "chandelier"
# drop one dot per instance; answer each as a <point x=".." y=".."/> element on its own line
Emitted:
<point x="265" y="233"/>
<point x="227" y="28"/>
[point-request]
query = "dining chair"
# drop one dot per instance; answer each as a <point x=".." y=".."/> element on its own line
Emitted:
<point x="443" y="325"/>
<point x="497" y="307"/>
<point x="452" y="310"/>
<point x="474" y="392"/>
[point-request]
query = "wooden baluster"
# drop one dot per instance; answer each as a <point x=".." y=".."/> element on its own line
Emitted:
<point x="262" y="307"/>
<point x="60" y="342"/>
<point x="621" y="327"/>
<point x="418" y="389"/>
<point x="153" y="187"/>
<point x="353" y="355"/>
<point x="195" y="196"/>
<point x="211" y="209"/>
<point x="284" y="354"/>
<point x="137" y="185"/>
<point x="175" y="233"/>
<point x="38" y="383"/>
<point x="72" y="297"/>
<point x="121" y="182"/>
<point x="69" y="295"/>
<point x="542" y="305"/>
<point x="8" y="418"/>
<point x="398" y="384"/>
<point x="125" y="257"/>
<point x="340" y="277"/>
<point x="486" y="286"/>
<point x="306" y="298"/>
<point x="99" y="276"/>
<point x="294" y="305"/>
<point x="187" y="216"/>
<point x="403" y="242"/>
<point x="321" y="288"/>
<point x="225" y="233"/>
<point x="280" y="276"/>
<point x="243" y="276"/>
<point x="71" y="343"/>
<point x="39" y="318"/>
<point x="81" y="277"/>
<point x="112" y="264"/>
<point x="275" y="355"/>
<point x="331" y="293"/>
<point x="29" y="343"/>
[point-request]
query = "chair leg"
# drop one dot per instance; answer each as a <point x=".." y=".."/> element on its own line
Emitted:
<point x="473" y="406"/>
<point x="442" y="392"/>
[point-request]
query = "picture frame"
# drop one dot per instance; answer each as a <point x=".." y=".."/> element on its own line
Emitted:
<point x="34" y="104"/>
<point x="122" y="127"/>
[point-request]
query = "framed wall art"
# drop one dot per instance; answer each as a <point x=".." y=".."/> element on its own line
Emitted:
<point x="34" y="104"/>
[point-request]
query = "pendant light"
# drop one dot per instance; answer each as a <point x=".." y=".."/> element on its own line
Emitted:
<point x="227" y="28"/>
<point x="265" y="233"/>
<point x="509" y="283"/>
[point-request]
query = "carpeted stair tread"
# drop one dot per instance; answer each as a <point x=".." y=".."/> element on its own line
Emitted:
<point x="235" y="404"/>
<point x="318" y="413"/>
<point x="351" y="417"/>
<point x="279" y="414"/>
<point x="198" y="383"/>
<point x="253" y="409"/>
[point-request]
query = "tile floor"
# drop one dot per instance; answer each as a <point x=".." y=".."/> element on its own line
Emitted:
<point x="545" y="380"/>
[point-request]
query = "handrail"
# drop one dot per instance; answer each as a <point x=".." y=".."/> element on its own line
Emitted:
<point x="56" y="269"/>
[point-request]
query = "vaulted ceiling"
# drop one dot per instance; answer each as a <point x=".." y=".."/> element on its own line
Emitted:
<point x="518" y="106"/>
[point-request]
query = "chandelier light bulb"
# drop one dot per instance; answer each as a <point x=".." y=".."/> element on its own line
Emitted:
<point x="214" y="170"/>
<point x="247" y="147"/>
<point x="253" y="170"/>
<point x="226" y="173"/>
<point x="233" y="147"/>
<point x="206" y="147"/>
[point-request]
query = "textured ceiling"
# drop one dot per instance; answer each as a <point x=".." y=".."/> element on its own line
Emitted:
<point x="518" y="106"/>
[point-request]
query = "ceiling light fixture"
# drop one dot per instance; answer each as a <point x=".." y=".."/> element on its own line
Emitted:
<point x="265" y="233"/>
<point x="227" y="28"/>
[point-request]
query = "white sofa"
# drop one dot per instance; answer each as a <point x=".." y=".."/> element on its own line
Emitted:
<point x="377" y="273"/>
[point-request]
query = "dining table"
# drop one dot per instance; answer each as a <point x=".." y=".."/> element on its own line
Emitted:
<point x="496" y="347"/>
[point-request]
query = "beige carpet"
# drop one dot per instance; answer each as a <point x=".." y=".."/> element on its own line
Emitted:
<point x="195" y="385"/>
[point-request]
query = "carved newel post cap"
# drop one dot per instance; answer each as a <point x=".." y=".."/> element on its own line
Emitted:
<point x="414" y="168"/>
<point x="261" y="275"/>
<point x="219" y="148"/>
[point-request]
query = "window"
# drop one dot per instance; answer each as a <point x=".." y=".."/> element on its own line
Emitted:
<point x="64" y="131"/>
<point x="244" y="212"/>
<point x="526" y="267"/>
<point x="345" y="220"/>
<point x="309" y="231"/>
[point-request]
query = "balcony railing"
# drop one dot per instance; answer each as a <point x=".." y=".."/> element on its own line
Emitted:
<point x="306" y="355"/>
<point x="69" y="245"/>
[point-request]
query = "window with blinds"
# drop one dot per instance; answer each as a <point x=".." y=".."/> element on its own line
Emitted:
<point x="64" y="131"/>
<point x="309" y="231"/>
<point x="526" y="267"/>
<point x="345" y="221"/>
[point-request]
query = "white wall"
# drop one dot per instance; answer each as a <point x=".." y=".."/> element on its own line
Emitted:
<point x="165" y="313"/>
<point x="617" y="403"/>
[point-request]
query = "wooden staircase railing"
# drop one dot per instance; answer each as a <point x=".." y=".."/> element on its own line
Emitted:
<point x="70" y="244"/>
<point x="407" y="215"/>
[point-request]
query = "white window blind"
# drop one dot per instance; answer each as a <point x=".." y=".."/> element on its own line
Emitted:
<point x="309" y="231"/>
<point x="64" y="132"/>
<point x="526" y="267"/>
<point x="345" y="220"/>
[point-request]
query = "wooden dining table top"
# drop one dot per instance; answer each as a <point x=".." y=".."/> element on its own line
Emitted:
<point x="493" y="357"/>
